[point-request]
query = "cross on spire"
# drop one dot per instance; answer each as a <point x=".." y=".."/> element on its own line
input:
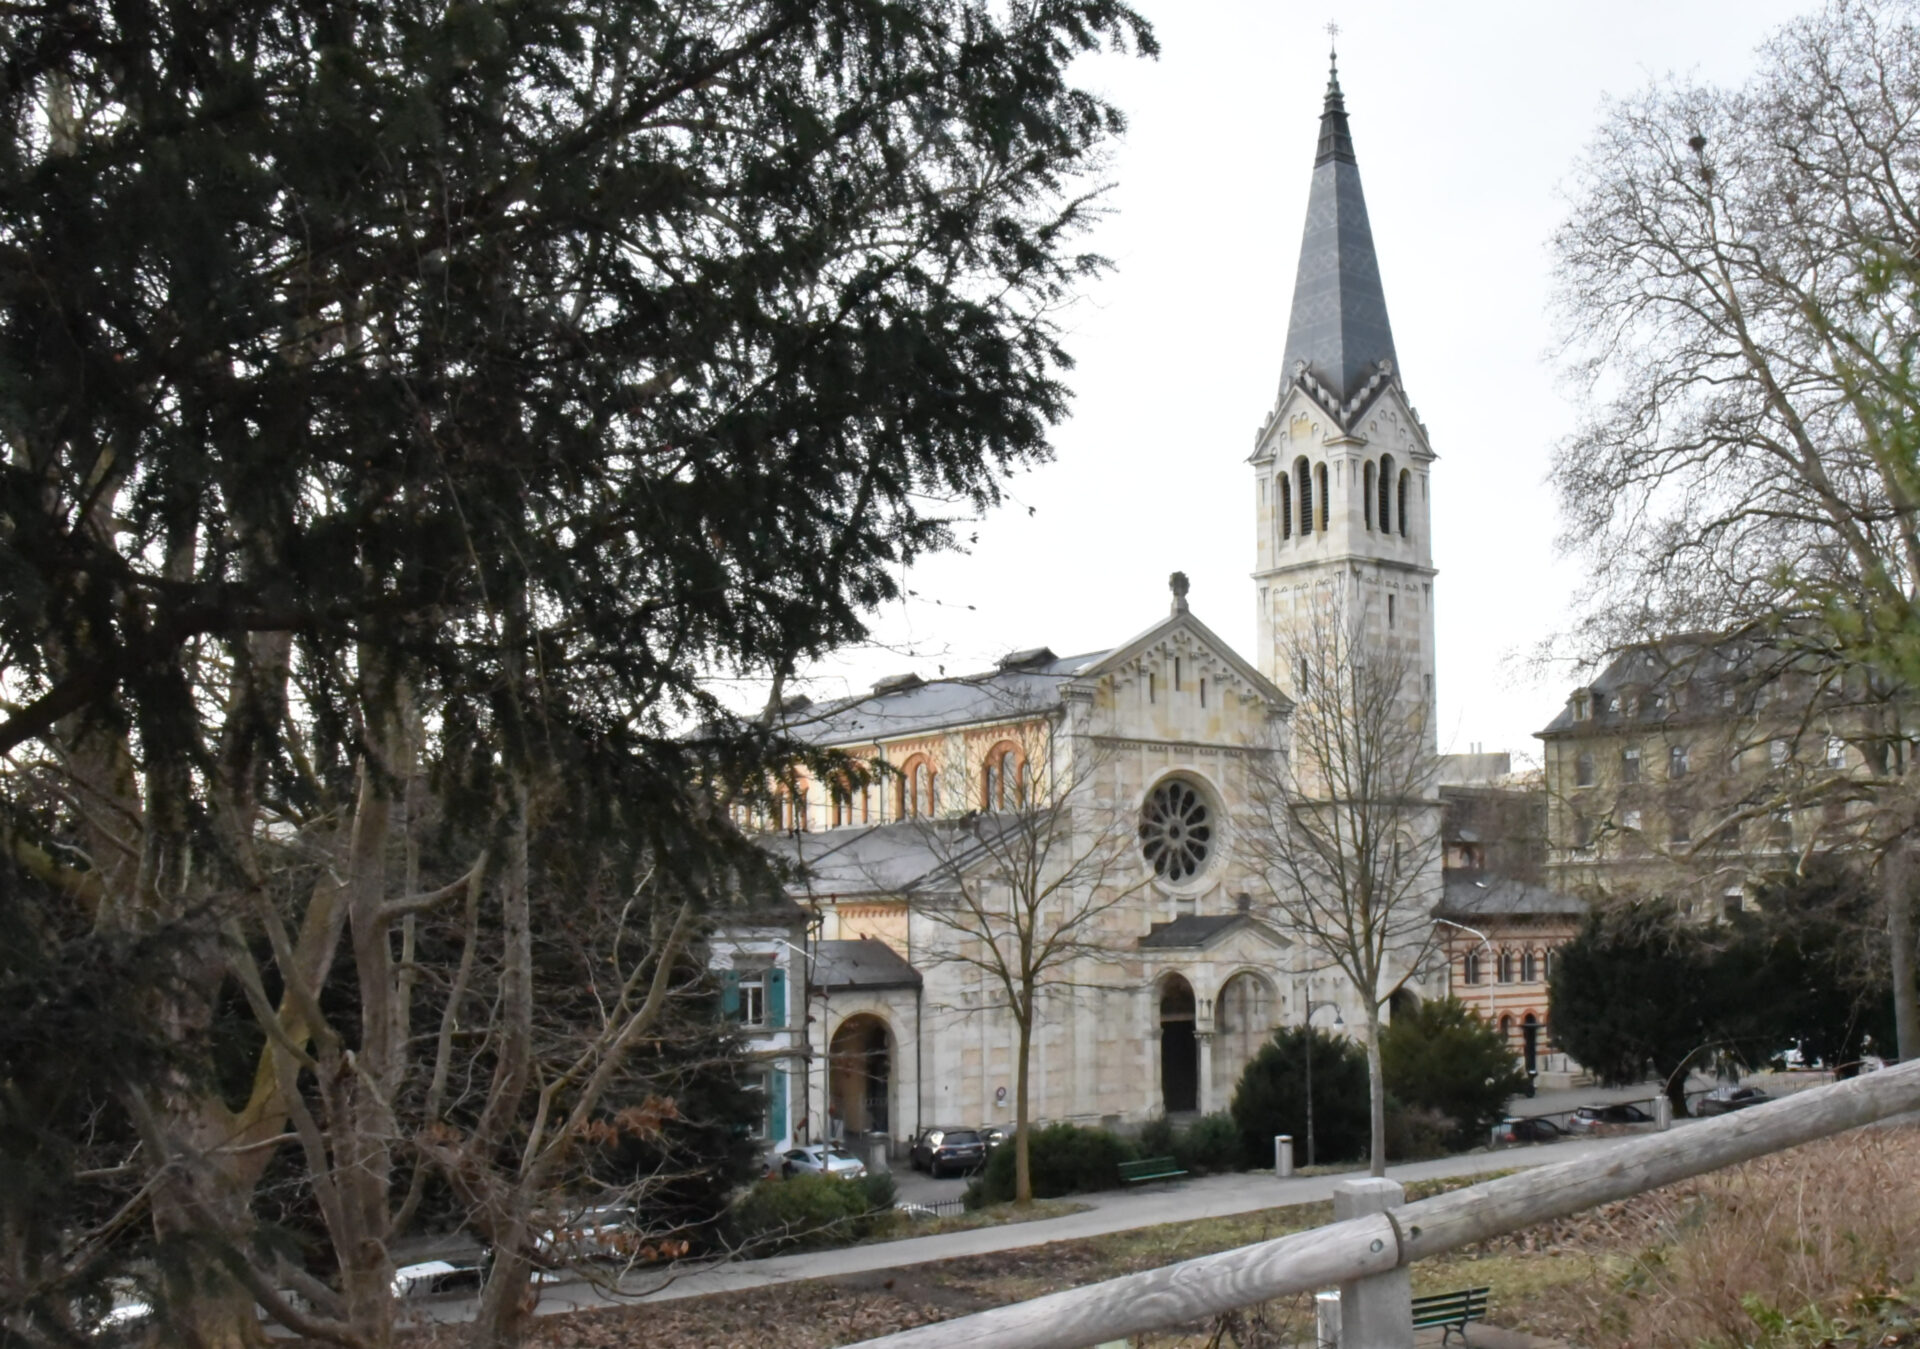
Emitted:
<point x="1333" y="34"/>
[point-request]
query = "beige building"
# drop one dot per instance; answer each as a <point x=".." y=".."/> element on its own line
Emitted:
<point x="1153" y="744"/>
<point x="1693" y="767"/>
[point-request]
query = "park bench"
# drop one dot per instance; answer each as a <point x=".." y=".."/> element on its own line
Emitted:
<point x="1452" y="1310"/>
<point x="1150" y="1168"/>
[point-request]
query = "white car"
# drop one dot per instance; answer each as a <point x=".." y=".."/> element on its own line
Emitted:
<point x="822" y="1159"/>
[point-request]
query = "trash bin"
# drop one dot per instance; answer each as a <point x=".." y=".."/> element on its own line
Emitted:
<point x="878" y="1154"/>
<point x="1282" y="1155"/>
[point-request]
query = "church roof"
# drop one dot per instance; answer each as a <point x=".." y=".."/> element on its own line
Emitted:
<point x="867" y="963"/>
<point x="1471" y="895"/>
<point x="1025" y="683"/>
<point x="1195" y="930"/>
<point x="1339" y="326"/>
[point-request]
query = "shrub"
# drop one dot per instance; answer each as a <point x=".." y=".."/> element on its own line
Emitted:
<point x="1157" y="1137"/>
<point x="1065" y="1158"/>
<point x="1418" y="1132"/>
<point x="1210" y="1143"/>
<point x="777" y="1215"/>
<point x="881" y="1190"/>
<point x="1443" y="1060"/>
<point x="1271" y="1097"/>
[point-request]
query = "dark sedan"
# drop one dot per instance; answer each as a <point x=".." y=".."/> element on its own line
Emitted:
<point x="939" y="1151"/>
<point x="1726" y="1100"/>
<point x="1591" y="1116"/>
<point x="1528" y="1130"/>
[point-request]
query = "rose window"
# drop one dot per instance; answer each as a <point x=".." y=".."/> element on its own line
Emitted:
<point x="1176" y="830"/>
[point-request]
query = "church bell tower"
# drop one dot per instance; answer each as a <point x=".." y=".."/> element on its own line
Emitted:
<point x="1342" y="465"/>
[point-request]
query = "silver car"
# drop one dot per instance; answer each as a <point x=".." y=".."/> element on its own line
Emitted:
<point x="822" y="1159"/>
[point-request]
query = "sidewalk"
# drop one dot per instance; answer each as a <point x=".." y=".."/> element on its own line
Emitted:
<point x="1208" y="1197"/>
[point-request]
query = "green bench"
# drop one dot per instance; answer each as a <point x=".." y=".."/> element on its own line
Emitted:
<point x="1150" y="1168"/>
<point x="1452" y="1310"/>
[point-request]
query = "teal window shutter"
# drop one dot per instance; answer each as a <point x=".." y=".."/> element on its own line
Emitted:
<point x="730" y="994"/>
<point x="776" y="997"/>
<point x="777" y="1104"/>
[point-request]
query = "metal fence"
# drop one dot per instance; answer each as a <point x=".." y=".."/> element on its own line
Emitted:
<point x="934" y="1208"/>
<point x="1369" y="1254"/>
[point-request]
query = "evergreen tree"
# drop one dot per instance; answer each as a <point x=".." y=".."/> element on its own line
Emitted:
<point x="1271" y="1098"/>
<point x="406" y="407"/>
<point x="1443" y="1056"/>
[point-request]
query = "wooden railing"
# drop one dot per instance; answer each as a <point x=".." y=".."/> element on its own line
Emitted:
<point x="1380" y="1243"/>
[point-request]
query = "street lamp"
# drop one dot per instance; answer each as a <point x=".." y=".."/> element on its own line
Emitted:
<point x="1307" y="1025"/>
<point x="1487" y="969"/>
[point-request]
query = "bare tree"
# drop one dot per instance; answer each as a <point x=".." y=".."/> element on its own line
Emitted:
<point x="1345" y="828"/>
<point x="1737" y="280"/>
<point x="1024" y="886"/>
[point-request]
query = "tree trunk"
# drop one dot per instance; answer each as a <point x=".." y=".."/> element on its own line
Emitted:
<point x="1376" y="1098"/>
<point x="1896" y="883"/>
<point x="1022" y="1164"/>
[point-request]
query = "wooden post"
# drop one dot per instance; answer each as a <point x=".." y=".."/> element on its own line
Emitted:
<point x="1343" y="1252"/>
<point x="1376" y="1312"/>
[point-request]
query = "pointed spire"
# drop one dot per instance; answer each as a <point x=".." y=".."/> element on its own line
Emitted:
<point x="1339" y="327"/>
<point x="1335" y="141"/>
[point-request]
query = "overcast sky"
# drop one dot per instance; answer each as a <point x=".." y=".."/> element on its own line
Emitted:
<point x="1466" y="119"/>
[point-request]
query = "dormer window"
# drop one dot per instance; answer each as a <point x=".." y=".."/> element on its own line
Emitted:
<point x="1582" y="707"/>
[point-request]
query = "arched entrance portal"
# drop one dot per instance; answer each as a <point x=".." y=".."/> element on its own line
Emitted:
<point x="1179" y="1051"/>
<point x="861" y="1076"/>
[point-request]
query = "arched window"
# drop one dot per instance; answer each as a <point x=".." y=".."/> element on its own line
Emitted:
<point x="1286" y="506"/>
<point x="1529" y="968"/>
<point x="917" y="784"/>
<point x="1386" y="493"/>
<point x="1320" y="481"/>
<point x="1303" y="476"/>
<point x="1406" y="486"/>
<point x="1005" y="786"/>
<point x="1506" y="967"/>
<point x="1366" y="492"/>
<point x="1470" y="968"/>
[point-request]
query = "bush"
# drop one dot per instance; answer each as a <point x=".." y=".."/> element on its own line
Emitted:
<point x="1271" y="1097"/>
<point x="1065" y="1158"/>
<point x="1157" y="1137"/>
<point x="1443" y="1060"/>
<point x="881" y="1190"/>
<point x="1415" y="1133"/>
<point x="1210" y="1144"/>
<point x="779" y="1215"/>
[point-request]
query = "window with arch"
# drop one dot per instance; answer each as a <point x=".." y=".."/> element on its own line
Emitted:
<point x="1286" y="507"/>
<point x="1406" y="489"/>
<point x="1529" y="968"/>
<point x="916" y="792"/>
<point x="1367" y="489"/>
<point x="1303" y="475"/>
<point x="1386" y="493"/>
<point x="1505" y="967"/>
<point x="1176" y="830"/>
<point x="1470" y="971"/>
<point x="1004" y="784"/>
<point x="1320" y="482"/>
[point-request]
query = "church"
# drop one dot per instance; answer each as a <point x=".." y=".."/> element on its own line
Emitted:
<point x="878" y="1010"/>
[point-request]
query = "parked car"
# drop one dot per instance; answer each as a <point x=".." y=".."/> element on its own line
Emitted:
<point x="822" y="1159"/>
<point x="1528" y="1129"/>
<point x="938" y="1151"/>
<point x="601" y="1232"/>
<point x="1590" y="1116"/>
<point x="1724" y="1100"/>
<point x="432" y="1277"/>
<point x="996" y="1134"/>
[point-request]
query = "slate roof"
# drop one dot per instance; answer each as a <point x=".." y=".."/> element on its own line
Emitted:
<point x="1469" y="895"/>
<point x="869" y="963"/>
<point x="1681" y="661"/>
<point x="1339" y="322"/>
<point x="875" y="859"/>
<point x="902" y="707"/>
<point x="1191" y="930"/>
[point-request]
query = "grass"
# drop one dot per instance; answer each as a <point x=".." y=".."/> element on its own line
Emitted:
<point x="1816" y="1248"/>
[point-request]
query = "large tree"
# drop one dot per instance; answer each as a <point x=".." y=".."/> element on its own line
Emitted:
<point x="405" y="406"/>
<point x="1736" y="277"/>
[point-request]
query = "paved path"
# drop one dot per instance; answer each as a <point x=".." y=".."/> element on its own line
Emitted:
<point x="1208" y="1197"/>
